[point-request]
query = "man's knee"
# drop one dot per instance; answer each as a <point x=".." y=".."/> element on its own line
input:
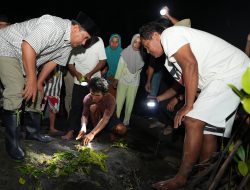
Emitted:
<point x="120" y="129"/>
<point x="190" y="122"/>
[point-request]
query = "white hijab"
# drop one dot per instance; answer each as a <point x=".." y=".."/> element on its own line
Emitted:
<point x="133" y="57"/>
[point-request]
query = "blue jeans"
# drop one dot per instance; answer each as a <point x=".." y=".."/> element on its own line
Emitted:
<point x="155" y="83"/>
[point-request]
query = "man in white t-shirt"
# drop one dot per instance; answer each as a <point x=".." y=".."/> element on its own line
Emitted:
<point x="87" y="63"/>
<point x="201" y="62"/>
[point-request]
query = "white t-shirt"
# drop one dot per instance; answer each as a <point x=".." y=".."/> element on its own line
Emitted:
<point x="217" y="59"/>
<point x="85" y="62"/>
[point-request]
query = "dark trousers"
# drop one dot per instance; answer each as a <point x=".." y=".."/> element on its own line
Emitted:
<point x="75" y="114"/>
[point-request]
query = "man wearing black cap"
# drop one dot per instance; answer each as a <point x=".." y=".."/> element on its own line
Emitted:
<point x="24" y="47"/>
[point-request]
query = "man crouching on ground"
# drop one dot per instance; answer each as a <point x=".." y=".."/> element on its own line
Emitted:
<point x="99" y="106"/>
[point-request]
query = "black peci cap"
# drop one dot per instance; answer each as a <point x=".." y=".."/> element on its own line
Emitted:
<point x="87" y="23"/>
<point x="4" y="18"/>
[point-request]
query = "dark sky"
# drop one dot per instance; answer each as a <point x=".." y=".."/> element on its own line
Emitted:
<point x="228" y="19"/>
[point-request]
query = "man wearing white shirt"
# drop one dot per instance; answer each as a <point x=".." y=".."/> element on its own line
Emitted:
<point x="200" y="61"/>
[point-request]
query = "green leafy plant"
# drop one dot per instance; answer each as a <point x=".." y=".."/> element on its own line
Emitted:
<point x="242" y="157"/>
<point x="64" y="163"/>
<point x="238" y="145"/>
<point x="120" y="144"/>
<point x="83" y="79"/>
<point x="244" y="93"/>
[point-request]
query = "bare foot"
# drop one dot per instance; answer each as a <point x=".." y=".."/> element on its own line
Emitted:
<point x="68" y="136"/>
<point x="170" y="184"/>
<point x="55" y="132"/>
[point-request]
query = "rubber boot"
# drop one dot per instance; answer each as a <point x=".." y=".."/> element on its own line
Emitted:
<point x="12" y="136"/>
<point x="32" y="126"/>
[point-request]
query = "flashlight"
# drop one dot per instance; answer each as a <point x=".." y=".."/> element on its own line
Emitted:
<point x="84" y="84"/>
<point x="152" y="102"/>
<point x="83" y="81"/>
<point x="164" y="11"/>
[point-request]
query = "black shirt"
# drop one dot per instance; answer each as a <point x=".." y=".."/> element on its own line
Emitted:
<point x="157" y="63"/>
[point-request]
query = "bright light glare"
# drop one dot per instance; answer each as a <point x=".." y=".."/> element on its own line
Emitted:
<point x="84" y="83"/>
<point x="151" y="104"/>
<point x="89" y="145"/>
<point x="164" y="11"/>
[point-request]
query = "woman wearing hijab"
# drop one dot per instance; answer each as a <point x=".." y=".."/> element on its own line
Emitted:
<point x="128" y="77"/>
<point x="113" y="53"/>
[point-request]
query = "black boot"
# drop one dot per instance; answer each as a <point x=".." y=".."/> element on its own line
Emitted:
<point x="12" y="136"/>
<point x="32" y="125"/>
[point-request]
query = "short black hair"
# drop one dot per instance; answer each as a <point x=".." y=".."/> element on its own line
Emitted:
<point x="164" y="22"/>
<point x="98" y="84"/>
<point x="147" y="30"/>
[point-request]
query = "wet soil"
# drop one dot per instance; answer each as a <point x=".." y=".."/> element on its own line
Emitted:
<point x="150" y="157"/>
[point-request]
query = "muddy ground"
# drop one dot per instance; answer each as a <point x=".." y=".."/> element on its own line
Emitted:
<point x="149" y="157"/>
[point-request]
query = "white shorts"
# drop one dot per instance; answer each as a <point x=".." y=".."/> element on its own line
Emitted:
<point x="216" y="105"/>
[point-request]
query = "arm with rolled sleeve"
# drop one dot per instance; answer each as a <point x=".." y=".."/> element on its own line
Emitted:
<point x="44" y="34"/>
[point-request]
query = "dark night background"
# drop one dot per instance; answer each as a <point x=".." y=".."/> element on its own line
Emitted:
<point x="228" y="19"/>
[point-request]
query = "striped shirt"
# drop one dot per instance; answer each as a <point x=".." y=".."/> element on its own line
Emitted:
<point x="48" y="35"/>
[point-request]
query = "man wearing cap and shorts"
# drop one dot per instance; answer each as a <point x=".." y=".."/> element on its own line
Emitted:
<point x="208" y="68"/>
<point x="24" y="47"/>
